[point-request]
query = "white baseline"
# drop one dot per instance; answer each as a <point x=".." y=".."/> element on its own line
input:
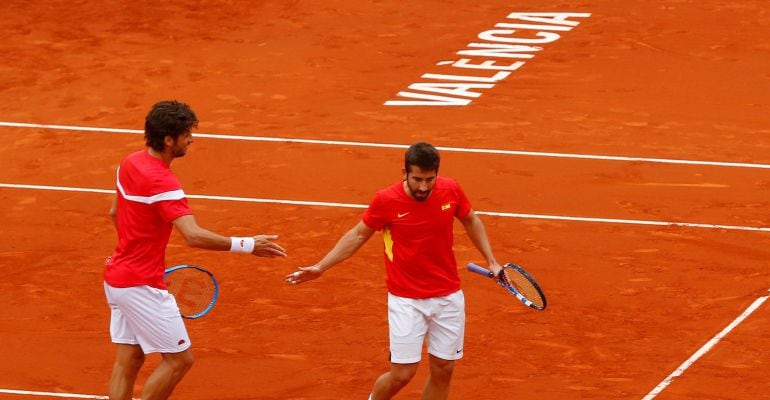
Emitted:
<point x="398" y="146"/>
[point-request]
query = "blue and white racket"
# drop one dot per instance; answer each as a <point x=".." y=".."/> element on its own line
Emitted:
<point x="518" y="282"/>
<point x="194" y="288"/>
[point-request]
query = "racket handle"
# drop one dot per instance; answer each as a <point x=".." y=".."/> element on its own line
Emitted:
<point x="480" y="270"/>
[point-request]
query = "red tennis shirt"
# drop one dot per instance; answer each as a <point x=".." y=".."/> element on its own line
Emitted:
<point x="418" y="236"/>
<point x="149" y="199"/>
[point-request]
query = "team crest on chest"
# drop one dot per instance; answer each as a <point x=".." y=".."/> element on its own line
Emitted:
<point x="446" y="206"/>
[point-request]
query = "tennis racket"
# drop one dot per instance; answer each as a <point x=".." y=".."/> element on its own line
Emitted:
<point x="518" y="282"/>
<point x="194" y="288"/>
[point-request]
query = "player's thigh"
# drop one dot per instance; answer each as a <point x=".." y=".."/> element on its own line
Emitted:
<point x="153" y="316"/>
<point x="120" y="326"/>
<point x="446" y="331"/>
<point x="407" y="325"/>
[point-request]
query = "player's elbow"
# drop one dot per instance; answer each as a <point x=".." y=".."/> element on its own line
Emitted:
<point x="361" y="233"/>
<point x="360" y="238"/>
<point x="470" y="221"/>
<point x="194" y="238"/>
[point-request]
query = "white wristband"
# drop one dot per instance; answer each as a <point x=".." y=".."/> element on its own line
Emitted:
<point x="241" y="244"/>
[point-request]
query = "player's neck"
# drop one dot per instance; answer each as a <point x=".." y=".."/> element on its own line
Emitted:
<point x="407" y="190"/>
<point x="164" y="156"/>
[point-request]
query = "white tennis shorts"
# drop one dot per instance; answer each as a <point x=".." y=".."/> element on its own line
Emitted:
<point x="441" y="318"/>
<point x="148" y="317"/>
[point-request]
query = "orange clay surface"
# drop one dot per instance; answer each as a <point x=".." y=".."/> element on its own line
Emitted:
<point x="627" y="303"/>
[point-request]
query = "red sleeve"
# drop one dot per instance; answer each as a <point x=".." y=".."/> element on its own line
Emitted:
<point x="173" y="209"/>
<point x="463" y="204"/>
<point x="375" y="217"/>
<point x="170" y="209"/>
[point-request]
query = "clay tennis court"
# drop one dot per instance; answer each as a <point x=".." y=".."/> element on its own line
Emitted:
<point x="629" y="302"/>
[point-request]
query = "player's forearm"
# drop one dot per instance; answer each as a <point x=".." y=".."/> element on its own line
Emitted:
<point x="199" y="237"/>
<point x="205" y="239"/>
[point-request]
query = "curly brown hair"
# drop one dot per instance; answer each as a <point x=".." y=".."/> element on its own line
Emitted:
<point x="167" y="118"/>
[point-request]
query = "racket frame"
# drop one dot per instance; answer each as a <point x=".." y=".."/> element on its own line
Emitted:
<point x="214" y="297"/>
<point x="502" y="281"/>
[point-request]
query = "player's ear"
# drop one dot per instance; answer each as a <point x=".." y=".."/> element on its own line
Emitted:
<point x="403" y="174"/>
<point x="168" y="141"/>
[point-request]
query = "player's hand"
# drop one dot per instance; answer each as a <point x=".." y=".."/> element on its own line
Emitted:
<point x="265" y="247"/>
<point x="303" y="275"/>
<point x="495" y="268"/>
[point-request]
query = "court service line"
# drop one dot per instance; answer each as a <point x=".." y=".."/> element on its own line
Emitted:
<point x="705" y="349"/>
<point x="350" y="205"/>
<point x="400" y="146"/>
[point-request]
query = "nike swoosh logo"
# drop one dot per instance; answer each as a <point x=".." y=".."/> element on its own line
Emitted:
<point x="404" y="214"/>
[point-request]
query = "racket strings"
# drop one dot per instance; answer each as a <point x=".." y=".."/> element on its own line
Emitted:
<point x="524" y="286"/>
<point x="192" y="289"/>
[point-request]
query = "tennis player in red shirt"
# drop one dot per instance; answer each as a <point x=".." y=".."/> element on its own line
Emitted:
<point x="148" y="204"/>
<point x="416" y="217"/>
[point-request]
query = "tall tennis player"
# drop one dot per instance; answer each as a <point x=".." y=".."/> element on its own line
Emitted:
<point x="149" y="203"/>
<point x="416" y="218"/>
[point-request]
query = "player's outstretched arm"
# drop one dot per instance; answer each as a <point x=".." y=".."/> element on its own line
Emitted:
<point x="478" y="235"/>
<point x="195" y="236"/>
<point x="348" y="244"/>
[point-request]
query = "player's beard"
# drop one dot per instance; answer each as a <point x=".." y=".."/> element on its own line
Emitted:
<point x="419" y="195"/>
<point x="178" y="150"/>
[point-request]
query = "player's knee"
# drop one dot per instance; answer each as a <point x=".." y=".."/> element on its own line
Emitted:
<point x="181" y="362"/>
<point x="129" y="358"/>
<point x="136" y="361"/>
<point x="187" y="361"/>
<point x="402" y="374"/>
<point x="441" y="369"/>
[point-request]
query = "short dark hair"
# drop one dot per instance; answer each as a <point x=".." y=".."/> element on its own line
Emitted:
<point x="423" y="155"/>
<point x="167" y="118"/>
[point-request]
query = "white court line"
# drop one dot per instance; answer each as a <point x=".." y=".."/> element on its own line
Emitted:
<point x="51" y="394"/>
<point x="705" y="349"/>
<point x="350" y="205"/>
<point x="400" y="146"/>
